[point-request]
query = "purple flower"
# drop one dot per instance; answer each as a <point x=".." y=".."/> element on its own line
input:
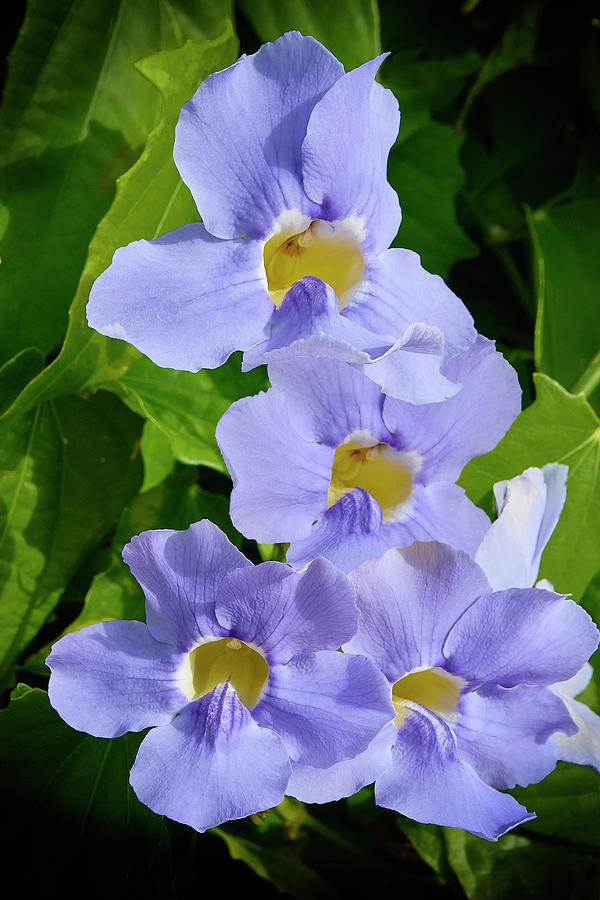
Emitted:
<point x="469" y="672"/>
<point x="237" y="668"/>
<point x="325" y="460"/>
<point x="285" y="155"/>
<point x="529" y="506"/>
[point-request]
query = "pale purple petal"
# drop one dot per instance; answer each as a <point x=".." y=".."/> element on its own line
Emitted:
<point x="429" y="782"/>
<point x="326" y="706"/>
<point x="238" y="141"/>
<point x="114" y="677"/>
<point x="583" y="747"/>
<point x="312" y="785"/>
<point x="348" y="533"/>
<point x="180" y="572"/>
<point x="504" y="734"/>
<point x="187" y="300"/>
<point x="448" y="435"/>
<point x="328" y="400"/>
<point x="397" y="291"/>
<point x="529" y="506"/>
<point x="308" y="324"/>
<point x="280" y="480"/>
<point x="520" y="636"/>
<point x="442" y="512"/>
<point x="285" y="612"/>
<point x="344" y="155"/>
<point x="408" y="601"/>
<point x="213" y="763"/>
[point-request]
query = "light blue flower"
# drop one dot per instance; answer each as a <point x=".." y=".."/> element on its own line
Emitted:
<point x="328" y="462"/>
<point x="471" y="675"/>
<point x="237" y="669"/>
<point x="285" y="155"/>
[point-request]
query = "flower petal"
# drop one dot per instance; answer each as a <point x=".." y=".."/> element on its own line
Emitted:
<point x="280" y="480"/>
<point x="583" y="747"/>
<point x="326" y="706"/>
<point x="504" y="734"/>
<point x="408" y="601"/>
<point x="428" y="782"/>
<point x="285" y="612"/>
<point x="211" y="764"/>
<point x="344" y="155"/>
<point x="238" y="141"/>
<point x="397" y="291"/>
<point x="308" y="324"/>
<point x="448" y="435"/>
<point x="114" y="677"/>
<point x="521" y="636"/>
<point x="328" y="400"/>
<point x="180" y="572"/>
<point x="187" y="300"/>
<point x="312" y="785"/>
<point x="442" y="512"/>
<point x="348" y="533"/>
<point x="528" y="509"/>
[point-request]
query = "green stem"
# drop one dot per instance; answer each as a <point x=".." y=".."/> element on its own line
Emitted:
<point x="590" y="379"/>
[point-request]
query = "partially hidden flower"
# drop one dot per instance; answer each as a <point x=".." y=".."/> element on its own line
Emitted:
<point x="326" y="461"/>
<point x="470" y="672"/>
<point x="529" y="506"/>
<point x="285" y="155"/>
<point x="237" y="669"/>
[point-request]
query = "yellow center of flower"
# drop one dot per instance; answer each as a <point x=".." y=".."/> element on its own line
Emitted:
<point x="378" y="469"/>
<point x="326" y="251"/>
<point x="224" y="660"/>
<point x="433" y="688"/>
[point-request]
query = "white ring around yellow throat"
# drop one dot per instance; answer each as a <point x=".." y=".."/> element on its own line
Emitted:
<point x="299" y="247"/>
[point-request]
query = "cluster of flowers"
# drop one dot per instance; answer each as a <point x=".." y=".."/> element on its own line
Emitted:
<point x="457" y="676"/>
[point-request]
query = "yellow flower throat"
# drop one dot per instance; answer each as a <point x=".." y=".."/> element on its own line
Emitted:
<point x="226" y="659"/>
<point x="377" y="469"/>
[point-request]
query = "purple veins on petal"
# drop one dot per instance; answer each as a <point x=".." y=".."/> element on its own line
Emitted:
<point x="473" y="677"/>
<point x="260" y="146"/>
<point x="238" y="670"/>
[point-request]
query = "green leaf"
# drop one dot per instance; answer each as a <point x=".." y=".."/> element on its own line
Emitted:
<point x="557" y="427"/>
<point x="349" y="28"/>
<point x="16" y="373"/>
<point x="186" y="406"/>
<point x="523" y="867"/>
<point x="426" y="172"/>
<point x="567" y="265"/>
<point x="424" y="86"/>
<point x="284" y="871"/>
<point x="74" y="116"/>
<point x="150" y="199"/>
<point x="567" y="804"/>
<point x="514" y="49"/>
<point x="67" y="468"/>
<point x="68" y="793"/>
<point x="156" y="455"/>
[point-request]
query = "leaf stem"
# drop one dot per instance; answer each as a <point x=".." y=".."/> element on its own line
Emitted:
<point x="589" y="380"/>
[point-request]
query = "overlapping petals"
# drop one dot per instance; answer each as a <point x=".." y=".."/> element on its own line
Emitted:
<point x="237" y="669"/>
<point x="283" y="448"/>
<point x="426" y="615"/>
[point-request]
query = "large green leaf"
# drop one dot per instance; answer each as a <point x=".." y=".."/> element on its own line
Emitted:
<point x="567" y="804"/>
<point x="557" y="427"/>
<point x="349" y="28"/>
<point x="150" y="199"/>
<point x="426" y="172"/>
<point x="74" y="116"/>
<point x="567" y="265"/>
<point x="186" y="406"/>
<point x="67" y="795"/>
<point x="67" y="469"/>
